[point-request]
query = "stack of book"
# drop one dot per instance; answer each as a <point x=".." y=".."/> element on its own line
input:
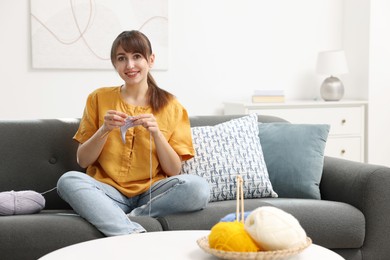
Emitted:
<point x="268" y="96"/>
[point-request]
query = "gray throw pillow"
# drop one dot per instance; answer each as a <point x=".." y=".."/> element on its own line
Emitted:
<point x="20" y="202"/>
<point x="294" y="155"/>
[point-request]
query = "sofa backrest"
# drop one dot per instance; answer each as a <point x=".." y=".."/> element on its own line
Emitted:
<point x="35" y="153"/>
<point x="217" y="119"/>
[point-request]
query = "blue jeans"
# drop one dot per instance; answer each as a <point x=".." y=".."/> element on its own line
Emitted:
<point x="106" y="208"/>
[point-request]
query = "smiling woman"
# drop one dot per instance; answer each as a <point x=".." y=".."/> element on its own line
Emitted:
<point x="133" y="57"/>
<point x="123" y="128"/>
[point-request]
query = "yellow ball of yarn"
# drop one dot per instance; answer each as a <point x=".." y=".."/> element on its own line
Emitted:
<point x="231" y="236"/>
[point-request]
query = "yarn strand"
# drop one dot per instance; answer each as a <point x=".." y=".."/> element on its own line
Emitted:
<point x="42" y="193"/>
<point x="150" y="173"/>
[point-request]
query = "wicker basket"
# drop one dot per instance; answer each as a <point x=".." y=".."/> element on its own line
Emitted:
<point x="261" y="255"/>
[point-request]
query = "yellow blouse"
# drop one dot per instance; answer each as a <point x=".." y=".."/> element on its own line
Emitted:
<point x="127" y="166"/>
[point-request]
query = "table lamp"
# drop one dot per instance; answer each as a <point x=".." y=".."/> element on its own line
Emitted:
<point x="332" y="63"/>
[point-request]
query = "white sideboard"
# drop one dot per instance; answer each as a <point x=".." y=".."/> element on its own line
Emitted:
<point x="347" y="119"/>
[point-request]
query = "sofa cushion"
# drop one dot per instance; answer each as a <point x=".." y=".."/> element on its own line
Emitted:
<point x="225" y="150"/>
<point x="328" y="223"/>
<point x="331" y="224"/>
<point x="32" y="236"/>
<point x="294" y="154"/>
<point x="205" y="219"/>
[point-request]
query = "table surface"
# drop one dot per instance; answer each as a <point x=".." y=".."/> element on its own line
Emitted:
<point x="170" y="245"/>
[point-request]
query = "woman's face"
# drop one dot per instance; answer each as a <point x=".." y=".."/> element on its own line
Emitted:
<point x="133" y="68"/>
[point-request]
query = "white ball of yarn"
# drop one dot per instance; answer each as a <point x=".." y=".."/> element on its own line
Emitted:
<point x="274" y="229"/>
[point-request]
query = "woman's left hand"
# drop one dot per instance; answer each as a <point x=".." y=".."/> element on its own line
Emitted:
<point x="148" y="121"/>
<point x="168" y="158"/>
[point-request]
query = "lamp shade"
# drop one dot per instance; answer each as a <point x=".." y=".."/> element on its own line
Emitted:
<point x="332" y="62"/>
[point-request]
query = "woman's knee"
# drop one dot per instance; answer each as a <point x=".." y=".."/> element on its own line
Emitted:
<point x="198" y="189"/>
<point x="69" y="180"/>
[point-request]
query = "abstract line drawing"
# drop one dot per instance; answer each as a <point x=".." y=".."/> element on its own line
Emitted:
<point x="77" y="34"/>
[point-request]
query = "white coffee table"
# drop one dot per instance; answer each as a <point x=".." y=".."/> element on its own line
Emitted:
<point x="170" y="245"/>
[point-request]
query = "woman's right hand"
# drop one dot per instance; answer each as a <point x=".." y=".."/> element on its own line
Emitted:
<point x="113" y="119"/>
<point x="89" y="151"/>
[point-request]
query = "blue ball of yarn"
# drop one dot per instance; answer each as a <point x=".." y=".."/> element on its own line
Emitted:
<point x="232" y="217"/>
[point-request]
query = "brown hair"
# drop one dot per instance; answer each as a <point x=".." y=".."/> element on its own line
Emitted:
<point x="136" y="42"/>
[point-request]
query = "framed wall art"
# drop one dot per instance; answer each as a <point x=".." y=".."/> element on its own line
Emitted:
<point x="77" y="34"/>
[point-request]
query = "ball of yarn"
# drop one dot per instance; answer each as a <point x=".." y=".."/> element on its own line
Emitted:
<point x="274" y="229"/>
<point x="233" y="217"/>
<point x="21" y="202"/>
<point x="231" y="236"/>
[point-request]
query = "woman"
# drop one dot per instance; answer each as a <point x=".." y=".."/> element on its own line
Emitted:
<point x="134" y="171"/>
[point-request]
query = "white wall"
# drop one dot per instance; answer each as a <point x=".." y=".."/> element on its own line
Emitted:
<point x="356" y="39"/>
<point x="219" y="50"/>
<point x="222" y="50"/>
<point x="379" y="83"/>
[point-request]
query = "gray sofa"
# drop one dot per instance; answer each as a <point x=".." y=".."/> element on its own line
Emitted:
<point x="352" y="218"/>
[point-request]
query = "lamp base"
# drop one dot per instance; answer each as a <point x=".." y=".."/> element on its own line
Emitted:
<point x="332" y="89"/>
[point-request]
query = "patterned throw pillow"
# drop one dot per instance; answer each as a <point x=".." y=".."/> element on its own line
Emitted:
<point x="226" y="150"/>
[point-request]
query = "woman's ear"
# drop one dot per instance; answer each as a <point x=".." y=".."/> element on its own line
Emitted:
<point x="151" y="60"/>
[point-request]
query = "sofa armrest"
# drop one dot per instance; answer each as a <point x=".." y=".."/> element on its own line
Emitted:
<point x="366" y="187"/>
